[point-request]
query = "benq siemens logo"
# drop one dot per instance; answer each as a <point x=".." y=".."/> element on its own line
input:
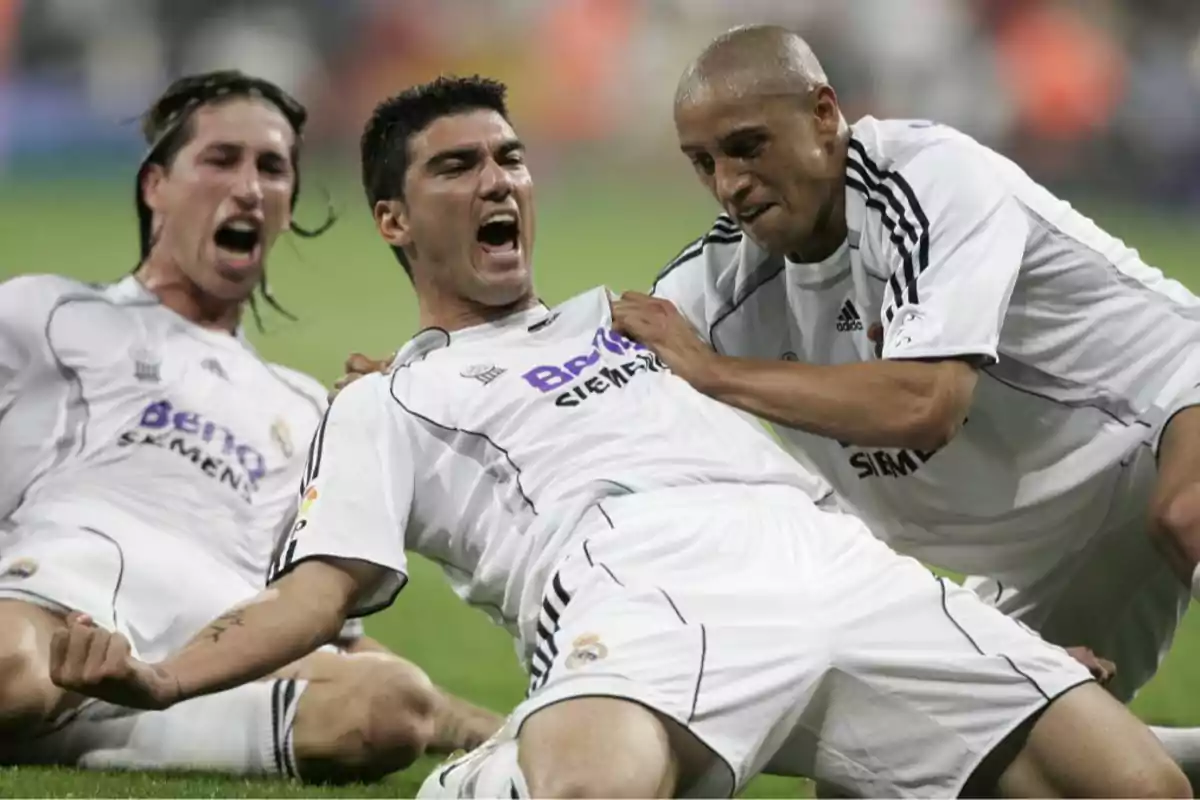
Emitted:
<point x="569" y="375"/>
<point x="213" y="448"/>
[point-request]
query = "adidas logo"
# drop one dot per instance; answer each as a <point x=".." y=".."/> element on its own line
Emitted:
<point x="849" y="320"/>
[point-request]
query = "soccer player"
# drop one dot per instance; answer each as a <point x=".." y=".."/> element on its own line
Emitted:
<point x="997" y="385"/>
<point x="690" y="611"/>
<point x="148" y="465"/>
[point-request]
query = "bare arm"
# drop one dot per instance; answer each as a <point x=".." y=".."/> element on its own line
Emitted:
<point x="888" y="403"/>
<point x="297" y="614"/>
<point x="913" y="404"/>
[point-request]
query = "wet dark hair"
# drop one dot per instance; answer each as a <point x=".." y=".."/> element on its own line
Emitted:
<point x="167" y="126"/>
<point x="384" y="143"/>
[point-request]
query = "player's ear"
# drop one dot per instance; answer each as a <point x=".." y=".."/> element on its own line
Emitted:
<point x="827" y="115"/>
<point x="152" y="186"/>
<point x="391" y="220"/>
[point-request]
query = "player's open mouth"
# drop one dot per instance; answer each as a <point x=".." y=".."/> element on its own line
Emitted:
<point x="747" y="215"/>
<point x="499" y="233"/>
<point x="238" y="241"/>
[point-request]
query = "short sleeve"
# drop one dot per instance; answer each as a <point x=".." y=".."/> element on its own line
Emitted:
<point x="954" y="255"/>
<point x="25" y="304"/>
<point x="357" y="492"/>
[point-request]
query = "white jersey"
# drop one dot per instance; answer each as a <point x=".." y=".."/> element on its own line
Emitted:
<point x="956" y="252"/>
<point x="119" y="415"/>
<point x="481" y="450"/>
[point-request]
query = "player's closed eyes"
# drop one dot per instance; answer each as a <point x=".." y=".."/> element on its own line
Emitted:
<point x="704" y="163"/>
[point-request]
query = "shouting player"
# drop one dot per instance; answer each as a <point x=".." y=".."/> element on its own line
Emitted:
<point x="150" y="458"/>
<point x="1000" y="387"/>
<point x="690" y="611"/>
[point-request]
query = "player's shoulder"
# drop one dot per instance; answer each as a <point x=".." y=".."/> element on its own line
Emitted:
<point x="893" y="144"/>
<point x="365" y="398"/>
<point x="713" y="265"/>
<point x="715" y="249"/>
<point x="301" y="383"/>
<point x="36" y="294"/>
<point x="915" y="151"/>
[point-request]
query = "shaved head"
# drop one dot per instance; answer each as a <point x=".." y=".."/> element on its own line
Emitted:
<point x="753" y="59"/>
<point x="760" y="124"/>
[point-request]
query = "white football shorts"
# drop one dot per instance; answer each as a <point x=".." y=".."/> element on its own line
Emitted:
<point x="788" y="640"/>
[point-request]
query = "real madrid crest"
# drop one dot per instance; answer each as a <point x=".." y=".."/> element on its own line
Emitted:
<point x="21" y="568"/>
<point x="584" y="650"/>
<point x="282" y="436"/>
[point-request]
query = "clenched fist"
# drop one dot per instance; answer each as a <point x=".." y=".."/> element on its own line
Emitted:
<point x="356" y="366"/>
<point x="89" y="660"/>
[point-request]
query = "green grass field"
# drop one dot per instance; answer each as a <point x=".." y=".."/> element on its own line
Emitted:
<point x="351" y="295"/>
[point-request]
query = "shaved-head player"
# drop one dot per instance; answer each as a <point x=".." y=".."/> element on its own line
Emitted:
<point x="996" y="384"/>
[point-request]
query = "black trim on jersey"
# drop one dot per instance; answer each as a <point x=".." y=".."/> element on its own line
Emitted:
<point x="766" y="277"/>
<point x="316" y="450"/>
<point x="723" y="231"/>
<point x="897" y="239"/>
<point x="875" y="179"/>
<point x="453" y="429"/>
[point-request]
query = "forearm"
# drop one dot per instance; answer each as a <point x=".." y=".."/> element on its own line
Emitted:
<point x="461" y="725"/>
<point x="871" y="404"/>
<point x="279" y="626"/>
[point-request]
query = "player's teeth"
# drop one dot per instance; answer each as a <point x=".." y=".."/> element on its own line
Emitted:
<point x="241" y="225"/>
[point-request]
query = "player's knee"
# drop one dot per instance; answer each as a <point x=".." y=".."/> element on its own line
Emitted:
<point x="594" y="781"/>
<point x="377" y="719"/>
<point x="27" y="696"/>
<point x="1176" y="515"/>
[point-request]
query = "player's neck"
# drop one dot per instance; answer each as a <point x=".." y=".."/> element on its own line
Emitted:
<point x="172" y="287"/>
<point x="458" y="314"/>
<point x="829" y="232"/>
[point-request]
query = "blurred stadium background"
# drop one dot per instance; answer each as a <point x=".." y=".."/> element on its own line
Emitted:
<point x="1100" y="99"/>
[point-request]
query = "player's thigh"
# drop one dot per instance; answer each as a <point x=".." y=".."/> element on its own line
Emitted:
<point x="569" y="749"/>
<point x="360" y="716"/>
<point x="924" y="681"/>
<point x="27" y="695"/>
<point x="620" y="675"/>
<point x="1175" y="509"/>
<point x="1115" y="595"/>
<point x="1087" y="744"/>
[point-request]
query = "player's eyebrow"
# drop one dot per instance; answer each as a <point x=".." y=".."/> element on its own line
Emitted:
<point x="740" y="135"/>
<point x="510" y="146"/>
<point x="466" y="154"/>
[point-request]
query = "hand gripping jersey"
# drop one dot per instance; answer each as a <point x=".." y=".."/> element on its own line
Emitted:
<point x="482" y="448"/>
<point x="956" y="252"/>
<point x="119" y="416"/>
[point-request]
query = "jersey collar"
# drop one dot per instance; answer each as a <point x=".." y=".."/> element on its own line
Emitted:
<point x="430" y="339"/>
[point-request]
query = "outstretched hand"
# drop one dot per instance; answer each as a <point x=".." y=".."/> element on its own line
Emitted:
<point x="98" y="663"/>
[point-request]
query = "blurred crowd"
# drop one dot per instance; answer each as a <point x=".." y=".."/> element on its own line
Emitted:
<point x="1091" y="95"/>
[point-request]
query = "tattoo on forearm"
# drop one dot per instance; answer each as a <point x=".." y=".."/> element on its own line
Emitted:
<point x="230" y="619"/>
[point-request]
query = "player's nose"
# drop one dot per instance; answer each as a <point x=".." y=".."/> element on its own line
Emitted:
<point x="247" y="188"/>
<point x="495" y="182"/>
<point x="731" y="181"/>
